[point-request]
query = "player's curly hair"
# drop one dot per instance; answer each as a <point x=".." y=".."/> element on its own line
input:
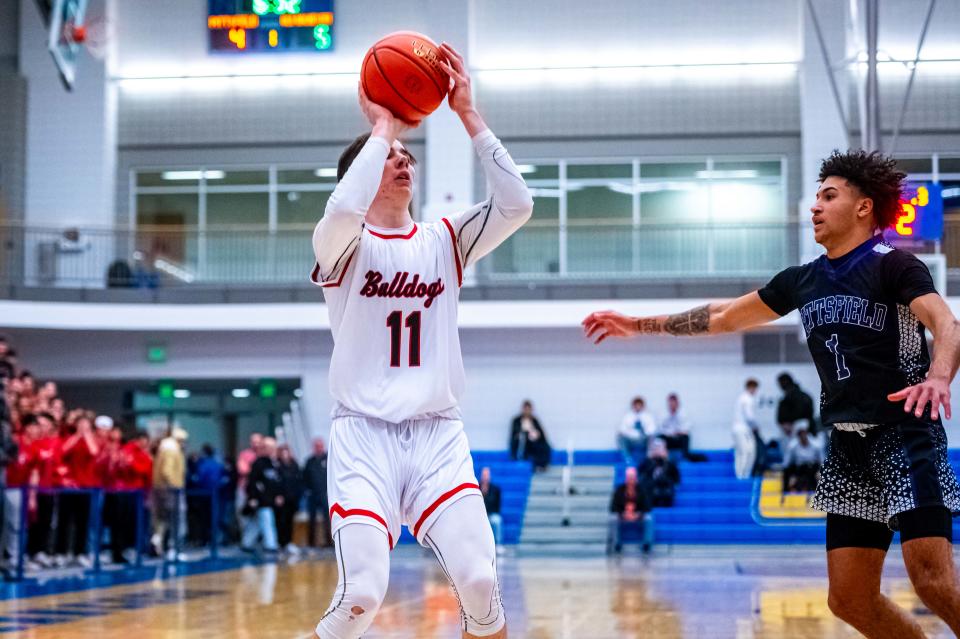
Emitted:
<point x="876" y="176"/>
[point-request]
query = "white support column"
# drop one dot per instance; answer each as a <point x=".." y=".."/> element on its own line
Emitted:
<point x="70" y="140"/>
<point x="822" y="128"/>
<point x="450" y="157"/>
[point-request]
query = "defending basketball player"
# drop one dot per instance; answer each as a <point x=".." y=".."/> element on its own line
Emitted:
<point x="398" y="453"/>
<point x="864" y="308"/>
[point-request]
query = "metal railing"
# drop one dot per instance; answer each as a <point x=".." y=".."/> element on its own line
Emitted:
<point x="223" y="257"/>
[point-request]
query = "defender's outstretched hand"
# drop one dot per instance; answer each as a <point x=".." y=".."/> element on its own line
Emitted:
<point x="600" y="325"/>
<point x="934" y="391"/>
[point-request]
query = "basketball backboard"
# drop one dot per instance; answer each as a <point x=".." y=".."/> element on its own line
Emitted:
<point x="63" y="19"/>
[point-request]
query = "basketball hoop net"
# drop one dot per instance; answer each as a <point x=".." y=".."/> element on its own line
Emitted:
<point x="93" y="35"/>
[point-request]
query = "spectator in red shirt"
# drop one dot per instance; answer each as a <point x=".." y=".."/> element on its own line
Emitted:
<point x="18" y="476"/>
<point x="133" y="471"/>
<point x="79" y="455"/>
<point x="44" y="462"/>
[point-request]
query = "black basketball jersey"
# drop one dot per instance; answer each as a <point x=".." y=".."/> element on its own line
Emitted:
<point x="865" y="341"/>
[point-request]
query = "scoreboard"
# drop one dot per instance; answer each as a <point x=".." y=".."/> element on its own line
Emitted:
<point x="921" y="213"/>
<point x="260" y="26"/>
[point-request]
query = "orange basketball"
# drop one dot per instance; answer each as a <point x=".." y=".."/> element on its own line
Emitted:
<point x="402" y="72"/>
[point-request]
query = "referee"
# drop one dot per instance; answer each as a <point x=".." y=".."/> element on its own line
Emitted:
<point x="864" y="307"/>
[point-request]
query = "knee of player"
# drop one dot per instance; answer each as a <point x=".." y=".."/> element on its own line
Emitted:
<point x="851" y="603"/>
<point x="934" y="586"/>
<point x="478" y="589"/>
<point x="366" y="589"/>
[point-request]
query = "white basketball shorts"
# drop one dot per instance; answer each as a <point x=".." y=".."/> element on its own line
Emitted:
<point x="387" y="475"/>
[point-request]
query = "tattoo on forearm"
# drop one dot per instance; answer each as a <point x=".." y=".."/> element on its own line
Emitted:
<point x="649" y="326"/>
<point x="694" y="322"/>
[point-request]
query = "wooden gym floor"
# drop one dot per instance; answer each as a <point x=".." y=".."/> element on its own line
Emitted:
<point x="730" y="591"/>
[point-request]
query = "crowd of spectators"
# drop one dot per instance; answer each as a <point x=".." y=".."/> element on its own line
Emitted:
<point x="799" y="447"/>
<point x="63" y="456"/>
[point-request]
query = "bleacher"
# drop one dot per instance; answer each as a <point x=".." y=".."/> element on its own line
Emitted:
<point x="712" y="506"/>
<point x="514" y="480"/>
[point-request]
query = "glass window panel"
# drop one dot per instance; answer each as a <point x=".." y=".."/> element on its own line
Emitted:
<point x="231" y="176"/>
<point x="951" y="196"/>
<point x="915" y="165"/>
<point x="237" y="254"/>
<point x="745" y="202"/>
<point x="600" y="202"/>
<point x="539" y="171"/>
<point x="301" y="207"/>
<point x="600" y="248"/>
<point x="949" y="165"/>
<point x="185" y="177"/>
<point x="951" y="221"/>
<point x="179" y="209"/>
<point x="320" y="175"/>
<point x="760" y="169"/>
<point x="667" y="249"/>
<point x="546" y="208"/>
<point x="575" y="171"/>
<point x="534" y="249"/>
<point x="165" y="229"/>
<point x="675" y="203"/>
<point x="673" y="169"/>
<point x="237" y="208"/>
<point x="750" y="249"/>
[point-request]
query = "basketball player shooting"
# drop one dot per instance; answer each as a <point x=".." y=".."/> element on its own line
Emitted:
<point x="398" y="453"/>
<point x="864" y="308"/>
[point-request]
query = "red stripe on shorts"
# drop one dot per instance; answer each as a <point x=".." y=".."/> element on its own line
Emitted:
<point x="337" y="509"/>
<point x="444" y="497"/>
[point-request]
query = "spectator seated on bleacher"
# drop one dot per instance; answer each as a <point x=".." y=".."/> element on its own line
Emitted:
<point x="675" y="431"/>
<point x="630" y="508"/>
<point x="528" y="439"/>
<point x="801" y="464"/>
<point x="491" y="501"/>
<point x="635" y="430"/>
<point x="659" y="475"/>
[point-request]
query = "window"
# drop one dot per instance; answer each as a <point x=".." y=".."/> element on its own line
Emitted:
<point x="639" y="217"/>
<point x="228" y="223"/>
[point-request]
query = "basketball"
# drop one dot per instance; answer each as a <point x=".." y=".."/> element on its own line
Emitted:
<point x="402" y="72"/>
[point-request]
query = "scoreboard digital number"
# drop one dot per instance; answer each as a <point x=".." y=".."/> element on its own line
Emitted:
<point x="921" y="216"/>
<point x="260" y="26"/>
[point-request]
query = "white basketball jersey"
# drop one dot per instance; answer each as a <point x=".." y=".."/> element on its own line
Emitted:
<point x="393" y="313"/>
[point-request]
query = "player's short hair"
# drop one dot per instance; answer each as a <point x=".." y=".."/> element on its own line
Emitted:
<point x="876" y="176"/>
<point x="350" y="154"/>
<point x="752" y="383"/>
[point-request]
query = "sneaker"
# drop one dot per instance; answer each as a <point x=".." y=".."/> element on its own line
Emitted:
<point x="83" y="561"/>
<point x="61" y="561"/>
<point x="130" y="555"/>
<point x="157" y="543"/>
<point x="292" y="549"/>
<point x="43" y="559"/>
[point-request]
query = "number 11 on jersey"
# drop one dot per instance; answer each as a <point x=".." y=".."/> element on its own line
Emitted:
<point x="833" y="345"/>
<point x="395" y="323"/>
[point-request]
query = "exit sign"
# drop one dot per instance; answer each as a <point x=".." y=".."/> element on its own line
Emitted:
<point x="156" y="353"/>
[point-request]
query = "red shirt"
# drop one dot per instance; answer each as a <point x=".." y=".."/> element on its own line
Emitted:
<point x="46" y="459"/>
<point x="80" y="467"/>
<point x="18" y="471"/>
<point x="135" y="471"/>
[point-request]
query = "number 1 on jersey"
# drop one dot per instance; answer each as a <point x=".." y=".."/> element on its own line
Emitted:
<point x="833" y="345"/>
<point x="395" y="323"/>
